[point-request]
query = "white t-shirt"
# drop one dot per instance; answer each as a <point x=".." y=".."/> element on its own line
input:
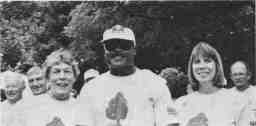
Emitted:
<point x="216" y="106"/>
<point x="43" y="112"/>
<point x="12" y="114"/>
<point x="143" y="101"/>
<point x="247" y="116"/>
<point x="244" y="96"/>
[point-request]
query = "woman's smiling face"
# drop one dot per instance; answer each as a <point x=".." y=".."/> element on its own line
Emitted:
<point x="61" y="79"/>
<point x="204" y="69"/>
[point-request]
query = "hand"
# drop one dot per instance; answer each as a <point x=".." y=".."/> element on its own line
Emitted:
<point x="199" y="120"/>
<point x="56" y="121"/>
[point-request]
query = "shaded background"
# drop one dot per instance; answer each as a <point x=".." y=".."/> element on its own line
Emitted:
<point x="165" y="31"/>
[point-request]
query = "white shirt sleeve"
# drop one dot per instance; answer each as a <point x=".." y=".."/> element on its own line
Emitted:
<point x="163" y="102"/>
<point x="84" y="113"/>
<point x="166" y="113"/>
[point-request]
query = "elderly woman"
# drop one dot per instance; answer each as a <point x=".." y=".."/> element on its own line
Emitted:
<point x="61" y="72"/>
<point x="209" y="104"/>
<point x="11" y="108"/>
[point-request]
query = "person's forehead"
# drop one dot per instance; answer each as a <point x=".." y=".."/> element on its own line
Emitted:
<point x="35" y="75"/>
<point x="12" y="84"/>
<point x="238" y="67"/>
<point x="61" y="65"/>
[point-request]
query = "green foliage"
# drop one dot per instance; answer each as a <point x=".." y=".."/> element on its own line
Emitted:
<point x="34" y="26"/>
<point x="165" y="31"/>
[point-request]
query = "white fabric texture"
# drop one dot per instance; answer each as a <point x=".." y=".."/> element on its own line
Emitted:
<point x="146" y="100"/>
<point x="216" y="106"/>
<point x="41" y="112"/>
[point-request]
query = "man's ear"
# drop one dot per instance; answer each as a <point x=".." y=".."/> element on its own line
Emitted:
<point x="133" y="51"/>
<point x="249" y="75"/>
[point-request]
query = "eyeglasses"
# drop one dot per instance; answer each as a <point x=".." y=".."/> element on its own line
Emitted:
<point x="113" y="44"/>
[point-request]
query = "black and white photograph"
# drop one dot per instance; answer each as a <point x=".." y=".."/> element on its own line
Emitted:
<point x="128" y="63"/>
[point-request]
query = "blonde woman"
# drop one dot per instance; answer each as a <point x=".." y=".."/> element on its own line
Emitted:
<point x="61" y="73"/>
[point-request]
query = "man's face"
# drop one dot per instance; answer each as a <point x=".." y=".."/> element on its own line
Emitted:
<point x="119" y="53"/>
<point x="61" y="80"/>
<point x="13" y="92"/>
<point x="239" y="74"/>
<point x="37" y="83"/>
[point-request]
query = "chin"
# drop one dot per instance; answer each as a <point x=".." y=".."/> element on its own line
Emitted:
<point x="37" y="93"/>
<point x="14" y="99"/>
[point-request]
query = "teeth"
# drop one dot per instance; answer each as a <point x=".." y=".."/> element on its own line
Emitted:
<point x="62" y="84"/>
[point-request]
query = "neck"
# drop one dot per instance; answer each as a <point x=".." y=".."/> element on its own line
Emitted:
<point x="43" y="92"/>
<point x="207" y="88"/>
<point x="15" y="101"/>
<point x="242" y="87"/>
<point x="124" y="71"/>
<point x="62" y="97"/>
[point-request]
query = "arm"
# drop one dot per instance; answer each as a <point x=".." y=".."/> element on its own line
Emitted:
<point x="83" y="114"/>
<point x="166" y="114"/>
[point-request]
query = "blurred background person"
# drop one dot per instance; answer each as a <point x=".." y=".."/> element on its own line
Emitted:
<point x="12" y="108"/>
<point x="240" y="75"/>
<point x="244" y="92"/>
<point x="36" y="79"/>
<point x="177" y="82"/>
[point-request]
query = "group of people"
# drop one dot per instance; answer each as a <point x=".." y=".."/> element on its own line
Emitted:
<point x="127" y="95"/>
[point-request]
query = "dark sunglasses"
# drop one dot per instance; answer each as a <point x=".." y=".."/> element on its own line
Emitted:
<point x="113" y="44"/>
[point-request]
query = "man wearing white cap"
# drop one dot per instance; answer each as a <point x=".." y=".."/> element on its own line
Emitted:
<point x="125" y="95"/>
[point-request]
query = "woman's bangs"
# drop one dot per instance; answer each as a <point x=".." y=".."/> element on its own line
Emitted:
<point x="203" y="51"/>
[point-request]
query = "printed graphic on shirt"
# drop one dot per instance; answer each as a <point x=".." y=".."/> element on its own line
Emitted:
<point x="117" y="109"/>
<point x="199" y="120"/>
<point x="253" y="121"/>
<point x="56" y="121"/>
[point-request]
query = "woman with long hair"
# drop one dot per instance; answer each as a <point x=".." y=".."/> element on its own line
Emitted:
<point x="209" y="104"/>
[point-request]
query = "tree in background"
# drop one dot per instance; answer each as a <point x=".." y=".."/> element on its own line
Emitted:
<point x="165" y="31"/>
<point x="29" y="30"/>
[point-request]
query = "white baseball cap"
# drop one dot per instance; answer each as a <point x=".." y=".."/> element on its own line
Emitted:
<point x="119" y="32"/>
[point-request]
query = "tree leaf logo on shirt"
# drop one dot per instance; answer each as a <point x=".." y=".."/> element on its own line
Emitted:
<point x="117" y="108"/>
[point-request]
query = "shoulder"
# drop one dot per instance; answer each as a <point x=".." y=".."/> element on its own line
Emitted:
<point x="183" y="100"/>
<point x="99" y="80"/>
<point x="152" y="78"/>
<point x="95" y="85"/>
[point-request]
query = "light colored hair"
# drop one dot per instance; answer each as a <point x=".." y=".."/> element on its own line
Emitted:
<point x="206" y="50"/>
<point x="10" y="77"/>
<point x="60" y="56"/>
<point x="35" y="70"/>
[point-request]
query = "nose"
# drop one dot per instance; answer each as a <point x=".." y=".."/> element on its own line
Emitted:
<point x="118" y="49"/>
<point x="62" y="75"/>
<point x="202" y="65"/>
<point x="33" y="83"/>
